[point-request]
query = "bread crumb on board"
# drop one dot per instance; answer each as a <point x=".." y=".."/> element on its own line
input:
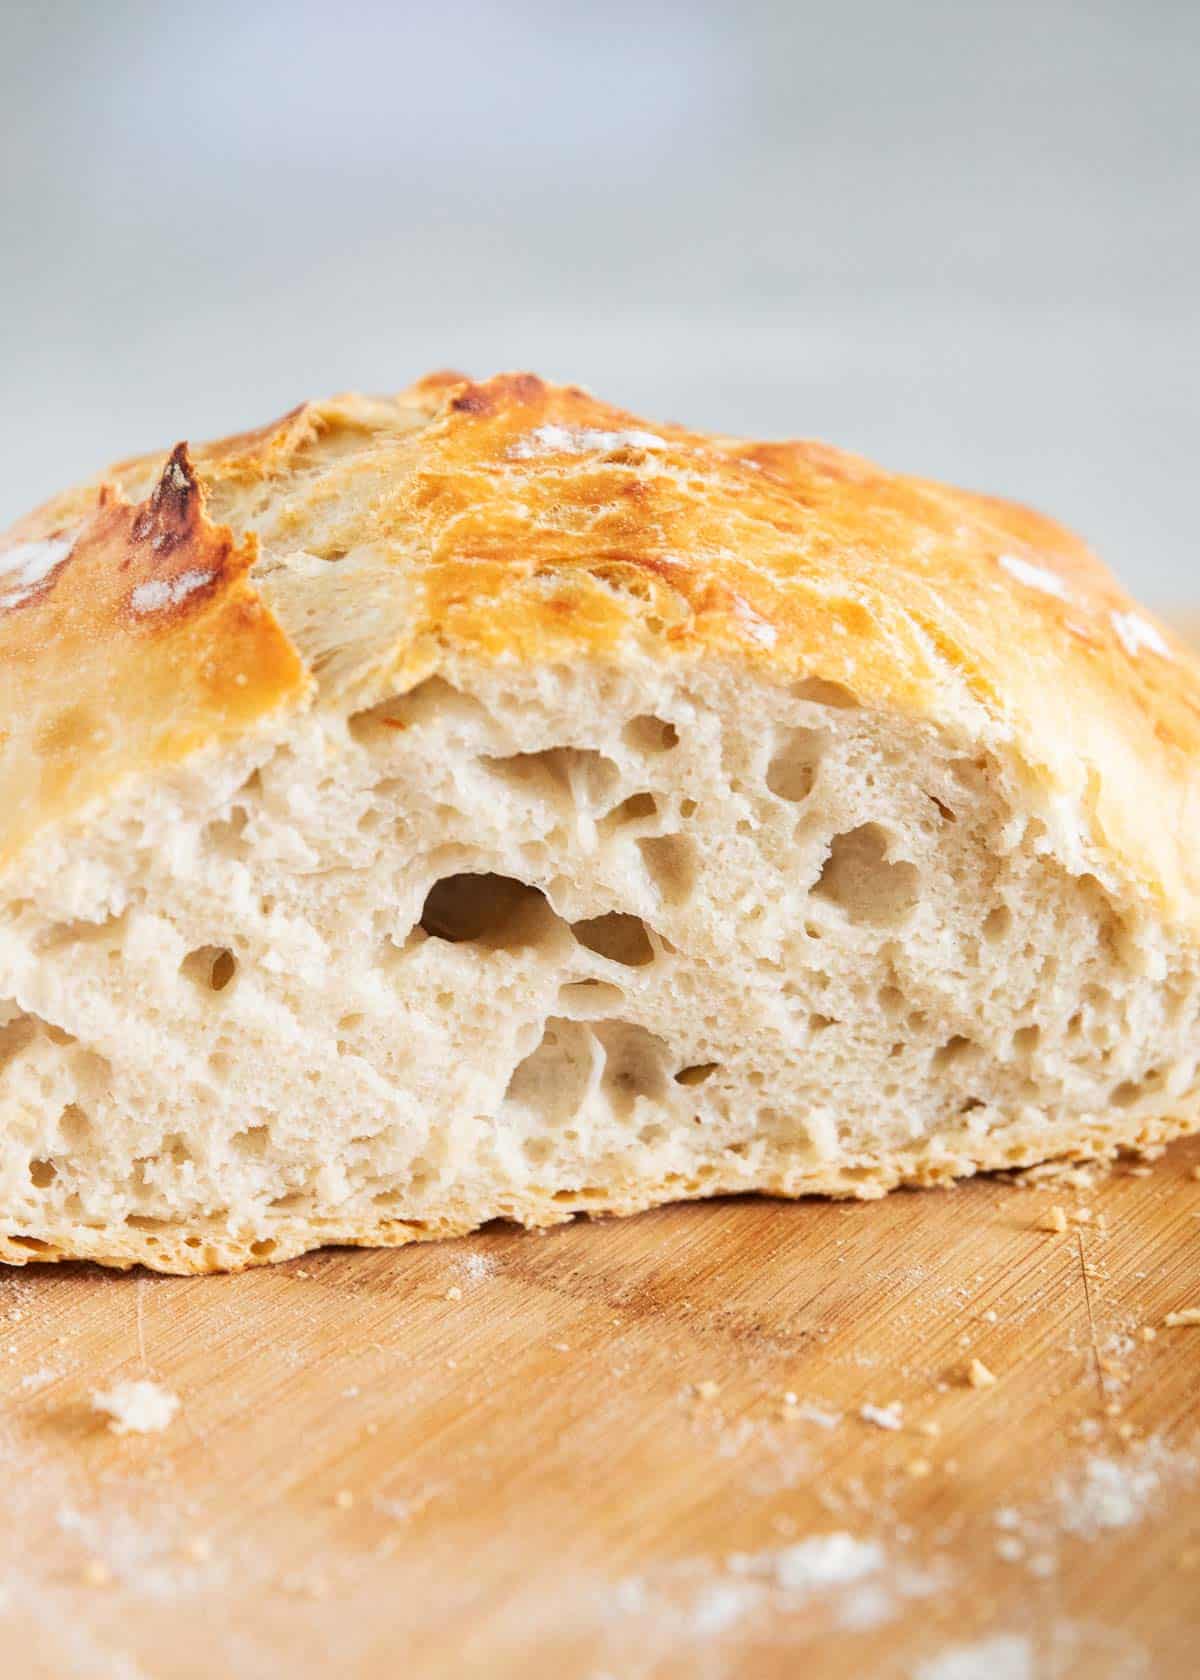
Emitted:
<point x="883" y="1417"/>
<point x="136" y="1408"/>
<point x="979" y="1376"/>
<point x="1185" y="1316"/>
<point x="1053" y="1220"/>
<point x="1072" y="1175"/>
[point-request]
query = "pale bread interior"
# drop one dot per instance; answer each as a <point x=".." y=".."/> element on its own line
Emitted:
<point x="529" y="940"/>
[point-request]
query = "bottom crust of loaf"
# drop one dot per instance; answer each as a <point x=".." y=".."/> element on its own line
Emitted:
<point x="215" y="1246"/>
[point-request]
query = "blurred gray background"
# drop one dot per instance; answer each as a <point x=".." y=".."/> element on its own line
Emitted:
<point x="960" y="237"/>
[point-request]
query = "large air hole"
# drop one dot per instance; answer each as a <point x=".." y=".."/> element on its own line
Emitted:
<point x="697" y="1073"/>
<point x="955" y="1052"/>
<point x="670" y="862"/>
<point x="891" y="1001"/>
<point x="1132" y="1091"/>
<point x="42" y="1174"/>
<point x="997" y="923"/>
<point x="210" y="967"/>
<point x="859" y="878"/>
<point x="572" y="775"/>
<point x="650" y="734"/>
<point x="17" y="1035"/>
<point x="492" y="910"/>
<point x="253" y="1143"/>
<point x="638" y="810"/>
<point x="175" y="1150"/>
<point x="74" y="1126"/>
<point x="108" y="932"/>
<point x="227" y="835"/>
<point x="823" y="693"/>
<point x="972" y="773"/>
<point x="793" y="767"/>
<point x="589" y="1000"/>
<point x="550" y="1084"/>
<point x="635" y="1065"/>
<point x="620" y="938"/>
<point x="434" y="700"/>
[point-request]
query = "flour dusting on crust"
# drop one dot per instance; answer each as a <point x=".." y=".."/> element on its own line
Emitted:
<point x="1036" y="577"/>
<point x="1135" y="633"/>
<point x="582" y="440"/>
<point x="159" y="593"/>
<point x="26" y="566"/>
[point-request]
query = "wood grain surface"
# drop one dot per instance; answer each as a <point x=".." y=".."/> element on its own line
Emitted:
<point x="734" y="1439"/>
<point x="576" y="1455"/>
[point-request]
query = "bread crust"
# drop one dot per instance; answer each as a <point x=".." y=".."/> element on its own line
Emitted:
<point x="143" y="621"/>
<point x="213" y="1247"/>
<point x="531" y="522"/>
<point x="130" y="636"/>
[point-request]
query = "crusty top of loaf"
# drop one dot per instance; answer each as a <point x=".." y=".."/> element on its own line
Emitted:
<point x="519" y="520"/>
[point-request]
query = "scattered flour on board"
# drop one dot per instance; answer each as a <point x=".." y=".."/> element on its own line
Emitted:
<point x="33" y="1381"/>
<point x="850" y="1582"/>
<point x="807" y="1412"/>
<point x="1108" y="1494"/>
<point x="136" y="1408"/>
<point x="821" y="1562"/>
<point x="400" y="1510"/>
<point x="1005" y="1656"/>
<point x="1097" y="1497"/>
<point x="145" y="1553"/>
<point x="719" y="1607"/>
<point x="883" y="1417"/>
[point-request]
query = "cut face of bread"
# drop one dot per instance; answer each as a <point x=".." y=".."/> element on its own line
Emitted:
<point x="498" y="889"/>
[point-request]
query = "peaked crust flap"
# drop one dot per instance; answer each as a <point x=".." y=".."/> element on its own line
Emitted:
<point x="127" y="641"/>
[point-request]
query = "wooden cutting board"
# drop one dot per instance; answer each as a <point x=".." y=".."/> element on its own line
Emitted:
<point x="578" y="1455"/>
<point x="728" y="1440"/>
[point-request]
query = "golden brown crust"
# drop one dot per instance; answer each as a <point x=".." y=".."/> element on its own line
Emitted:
<point x="127" y="641"/>
<point x="532" y="522"/>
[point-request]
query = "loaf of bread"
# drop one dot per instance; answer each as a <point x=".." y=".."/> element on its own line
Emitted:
<point x="485" y="803"/>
